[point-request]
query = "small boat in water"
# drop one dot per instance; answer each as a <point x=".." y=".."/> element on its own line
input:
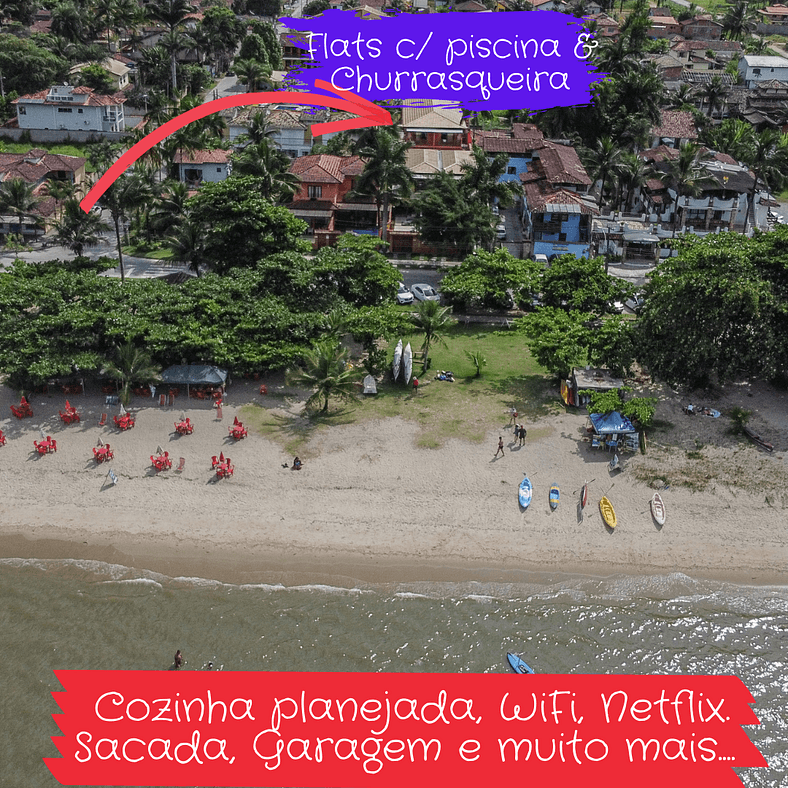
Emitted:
<point x="518" y="664"/>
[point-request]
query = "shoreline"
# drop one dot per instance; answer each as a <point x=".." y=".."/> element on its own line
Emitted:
<point x="344" y="571"/>
<point x="371" y="507"/>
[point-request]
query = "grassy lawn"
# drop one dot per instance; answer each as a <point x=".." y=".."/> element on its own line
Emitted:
<point x="466" y="409"/>
<point x="143" y="251"/>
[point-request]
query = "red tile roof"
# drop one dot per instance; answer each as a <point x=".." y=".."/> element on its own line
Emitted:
<point x="323" y="168"/>
<point x="36" y="165"/>
<point x="214" y="156"/>
<point x="540" y="197"/>
<point x="676" y="123"/>
<point x="561" y="164"/>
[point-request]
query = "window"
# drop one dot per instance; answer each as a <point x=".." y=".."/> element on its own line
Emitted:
<point x="444" y="138"/>
<point x="80" y="110"/>
<point x="315" y="192"/>
<point x="64" y="109"/>
<point x="511" y="170"/>
<point x="218" y="169"/>
<point x="22" y="110"/>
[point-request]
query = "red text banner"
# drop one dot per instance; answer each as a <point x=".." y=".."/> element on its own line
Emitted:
<point x="386" y="730"/>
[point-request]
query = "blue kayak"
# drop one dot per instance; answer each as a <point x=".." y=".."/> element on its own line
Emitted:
<point x="525" y="492"/>
<point x="518" y="665"/>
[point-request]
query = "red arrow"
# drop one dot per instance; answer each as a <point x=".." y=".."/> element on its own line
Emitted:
<point x="369" y="114"/>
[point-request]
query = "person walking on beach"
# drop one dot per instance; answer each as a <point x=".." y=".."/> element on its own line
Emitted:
<point x="500" y="446"/>
<point x="513" y="416"/>
<point x="178" y="659"/>
<point x="522" y="434"/>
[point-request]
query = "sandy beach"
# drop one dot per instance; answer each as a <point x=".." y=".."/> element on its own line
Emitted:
<point x="371" y="506"/>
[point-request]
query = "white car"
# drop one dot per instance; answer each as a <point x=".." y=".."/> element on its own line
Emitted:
<point x="423" y="292"/>
<point x="404" y="296"/>
<point x="500" y="231"/>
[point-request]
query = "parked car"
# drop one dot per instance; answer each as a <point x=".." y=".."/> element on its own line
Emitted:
<point x="494" y="208"/>
<point x="542" y="259"/>
<point x="404" y="296"/>
<point x="423" y="292"/>
<point x="635" y="303"/>
<point x="500" y="231"/>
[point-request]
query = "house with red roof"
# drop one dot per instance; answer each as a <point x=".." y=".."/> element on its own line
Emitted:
<point x="71" y="109"/>
<point x="557" y="212"/>
<point x="39" y="168"/>
<point x="675" y="128"/>
<point x="325" y="200"/>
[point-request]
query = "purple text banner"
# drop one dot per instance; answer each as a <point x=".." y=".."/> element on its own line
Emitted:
<point x="531" y="60"/>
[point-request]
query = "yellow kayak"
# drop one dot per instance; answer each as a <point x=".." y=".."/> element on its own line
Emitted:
<point x="608" y="513"/>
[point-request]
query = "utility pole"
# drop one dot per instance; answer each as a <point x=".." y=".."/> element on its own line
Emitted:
<point x="2" y="86"/>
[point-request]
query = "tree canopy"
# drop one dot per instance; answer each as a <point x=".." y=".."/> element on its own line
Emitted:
<point x="719" y="311"/>
<point x="484" y="280"/>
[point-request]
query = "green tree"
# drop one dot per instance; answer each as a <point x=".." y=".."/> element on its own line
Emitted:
<point x="77" y="229"/>
<point x="717" y="312"/>
<point x="326" y="370"/>
<point x="97" y="77"/>
<point x="356" y="271"/>
<point x="240" y="227"/>
<point x="386" y="175"/>
<point x="739" y="19"/>
<point x="602" y="162"/>
<point x="687" y="175"/>
<point x="557" y="338"/>
<point x="255" y="73"/>
<point x="131" y="364"/>
<point x="432" y="320"/>
<point x="225" y="31"/>
<point x="484" y="279"/>
<point x="579" y="283"/>
<point x="447" y="216"/>
<point x="767" y="155"/>
<point x="28" y="68"/>
<point x="18" y="197"/>
<point x="270" y="169"/>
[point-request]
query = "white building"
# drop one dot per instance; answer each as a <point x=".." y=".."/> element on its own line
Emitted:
<point x="760" y="68"/>
<point x="66" y="108"/>
<point x="202" y="166"/>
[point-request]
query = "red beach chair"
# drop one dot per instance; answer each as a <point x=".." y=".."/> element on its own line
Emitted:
<point x="2" y="438"/>
<point x="181" y="465"/>
<point x="102" y="420"/>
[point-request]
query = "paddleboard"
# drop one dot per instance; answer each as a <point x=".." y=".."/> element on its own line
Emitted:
<point x="518" y="664"/>
<point x="525" y="492"/>
<point x="555" y="496"/>
<point x="608" y="513"/>
<point x="584" y="496"/>
<point x="397" y="363"/>
<point x="407" y="364"/>
<point x="658" y="509"/>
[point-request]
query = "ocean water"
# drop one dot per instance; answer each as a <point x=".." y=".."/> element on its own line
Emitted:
<point x="90" y="615"/>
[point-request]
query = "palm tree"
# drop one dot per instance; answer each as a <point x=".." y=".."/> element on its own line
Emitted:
<point x="122" y="196"/>
<point x="270" y="167"/>
<point x="687" y="174"/>
<point x="170" y="207"/>
<point x="77" y="229"/>
<point x="186" y="243"/>
<point x="326" y="370"/>
<point x="739" y="19"/>
<point x="714" y="92"/>
<point x="131" y="365"/>
<point x="633" y="173"/>
<point x="17" y="197"/>
<point x="432" y="320"/>
<point x="603" y="161"/>
<point x="253" y="72"/>
<point x="768" y="158"/>
<point x="385" y="176"/>
<point x="681" y="98"/>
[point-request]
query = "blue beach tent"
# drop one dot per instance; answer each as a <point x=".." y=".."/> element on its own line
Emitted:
<point x="611" y="423"/>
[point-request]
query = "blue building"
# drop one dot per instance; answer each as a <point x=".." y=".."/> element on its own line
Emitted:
<point x="557" y="212"/>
